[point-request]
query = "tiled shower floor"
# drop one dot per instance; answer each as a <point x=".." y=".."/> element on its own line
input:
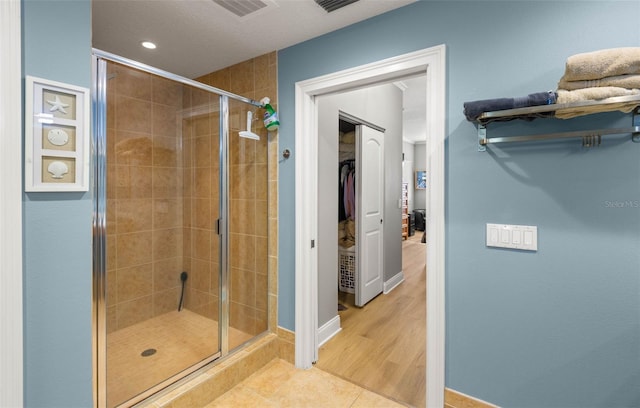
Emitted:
<point x="181" y="339"/>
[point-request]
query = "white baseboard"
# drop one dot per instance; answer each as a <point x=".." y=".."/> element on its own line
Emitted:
<point x="328" y="330"/>
<point x="392" y="283"/>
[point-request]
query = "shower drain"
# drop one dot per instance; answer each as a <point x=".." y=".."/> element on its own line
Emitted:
<point x="148" y="352"/>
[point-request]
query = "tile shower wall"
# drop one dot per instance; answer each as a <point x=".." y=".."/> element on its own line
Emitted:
<point x="253" y="197"/>
<point x="144" y="197"/>
<point x="200" y="129"/>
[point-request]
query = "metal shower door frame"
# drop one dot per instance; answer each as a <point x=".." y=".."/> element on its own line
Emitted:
<point x="99" y="174"/>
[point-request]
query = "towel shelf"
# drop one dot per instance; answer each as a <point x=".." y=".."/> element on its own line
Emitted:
<point x="590" y="138"/>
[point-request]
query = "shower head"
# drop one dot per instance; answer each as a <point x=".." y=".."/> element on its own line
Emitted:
<point x="248" y="133"/>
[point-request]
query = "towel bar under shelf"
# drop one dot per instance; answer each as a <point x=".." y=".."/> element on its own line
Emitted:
<point x="562" y="135"/>
<point x="590" y="138"/>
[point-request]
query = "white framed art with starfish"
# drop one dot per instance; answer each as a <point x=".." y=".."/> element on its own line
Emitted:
<point x="57" y="120"/>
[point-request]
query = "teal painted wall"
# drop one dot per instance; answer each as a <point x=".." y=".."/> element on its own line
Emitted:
<point x="555" y="328"/>
<point x="57" y="228"/>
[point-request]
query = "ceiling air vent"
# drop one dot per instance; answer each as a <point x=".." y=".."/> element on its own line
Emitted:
<point x="332" y="5"/>
<point x="242" y="8"/>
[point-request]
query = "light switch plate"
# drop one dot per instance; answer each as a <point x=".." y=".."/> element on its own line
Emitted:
<point x="523" y="237"/>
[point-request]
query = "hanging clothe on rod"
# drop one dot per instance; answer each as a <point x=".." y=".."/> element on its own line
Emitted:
<point x="346" y="190"/>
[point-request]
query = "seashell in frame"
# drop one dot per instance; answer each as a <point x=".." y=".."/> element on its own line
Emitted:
<point x="58" y="137"/>
<point x="57" y="169"/>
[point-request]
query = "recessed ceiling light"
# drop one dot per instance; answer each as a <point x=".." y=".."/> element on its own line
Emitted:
<point x="149" y="45"/>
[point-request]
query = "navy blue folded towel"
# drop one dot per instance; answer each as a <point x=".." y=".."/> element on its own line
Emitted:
<point x="472" y="110"/>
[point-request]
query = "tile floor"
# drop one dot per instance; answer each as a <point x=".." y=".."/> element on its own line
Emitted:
<point x="279" y="384"/>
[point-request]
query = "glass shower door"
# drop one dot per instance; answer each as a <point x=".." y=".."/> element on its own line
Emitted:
<point x="162" y="248"/>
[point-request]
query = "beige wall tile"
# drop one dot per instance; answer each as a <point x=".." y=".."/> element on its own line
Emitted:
<point x="242" y="181"/>
<point x="130" y="82"/>
<point x="203" y="156"/>
<point x="214" y="289"/>
<point x="167" y="213"/>
<point x="201" y="213"/>
<point x="133" y="215"/>
<point x="167" y="243"/>
<point x="262" y="218"/>
<point x="133" y="115"/>
<point x="262" y="257"/>
<point x="166" y="151"/>
<point x="239" y="281"/>
<point x="273" y="199"/>
<point x="187" y="247"/>
<point x="132" y="148"/>
<point x="215" y="247"/>
<point x="273" y="275"/>
<point x="262" y="295"/>
<point x="134" y="282"/>
<point x="112" y="287"/>
<point x="200" y="275"/>
<point x="242" y="78"/>
<point x="133" y="182"/>
<point x="167" y="182"/>
<point x="166" y="301"/>
<point x="201" y="244"/>
<point x="134" y="311"/>
<point x="202" y="184"/>
<point x="166" y="273"/>
<point x="242" y="249"/>
<point x="112" y="321"/>
<point x="262" y="185"/>
<point x="133" y="249"/>
<point x="111" y="224"/>
<point x="273" y="237"/>
<point x="188" y="144"/>
<point x="166" y="92"/>
<point x="242" y="317"/>
<point x="261" y="145"/>
<point x="242" y="219"/>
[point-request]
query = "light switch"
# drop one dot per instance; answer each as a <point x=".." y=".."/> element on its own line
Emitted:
<point x="505" y="236"/>
<point x="493" y="235"/>
<point x="528" y="237"/>
<point x="516" y="237"/>
<point x="523" y="237"/>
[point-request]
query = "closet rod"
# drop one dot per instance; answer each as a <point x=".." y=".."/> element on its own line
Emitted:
<point x="635" y="131"/>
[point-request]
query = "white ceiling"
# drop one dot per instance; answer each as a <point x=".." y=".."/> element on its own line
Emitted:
<point x="195" y="37"/>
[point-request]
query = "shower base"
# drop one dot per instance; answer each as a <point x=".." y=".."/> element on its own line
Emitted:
<point x="180" y="340"/>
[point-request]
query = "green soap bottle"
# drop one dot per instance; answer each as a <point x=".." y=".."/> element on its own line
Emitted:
<point x="270" y="115"/>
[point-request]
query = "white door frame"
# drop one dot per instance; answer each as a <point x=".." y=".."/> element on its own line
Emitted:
<point x="430" y="61"/>
<point x="11" y="342"/>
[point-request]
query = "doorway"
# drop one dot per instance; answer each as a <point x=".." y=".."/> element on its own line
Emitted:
<point x="431" y="62"/>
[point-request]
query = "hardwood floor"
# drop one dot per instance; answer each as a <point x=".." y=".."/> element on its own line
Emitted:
<point x="382" y="346"/>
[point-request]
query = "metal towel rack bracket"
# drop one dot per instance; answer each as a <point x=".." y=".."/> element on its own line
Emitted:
<point x="590" y="138"/>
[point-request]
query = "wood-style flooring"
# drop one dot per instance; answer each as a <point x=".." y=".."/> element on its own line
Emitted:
<point x="382" y="346"/>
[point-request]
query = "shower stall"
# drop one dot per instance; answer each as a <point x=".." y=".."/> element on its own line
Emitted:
<point x="180" y="227"/>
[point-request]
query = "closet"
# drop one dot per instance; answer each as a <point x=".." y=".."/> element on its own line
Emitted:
<point x="346" y="207"/>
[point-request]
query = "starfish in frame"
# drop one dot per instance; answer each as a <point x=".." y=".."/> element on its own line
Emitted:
<point x="57" y="105"/>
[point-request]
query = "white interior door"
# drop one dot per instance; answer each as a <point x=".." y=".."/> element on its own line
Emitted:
<point x="369" y="212"/>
